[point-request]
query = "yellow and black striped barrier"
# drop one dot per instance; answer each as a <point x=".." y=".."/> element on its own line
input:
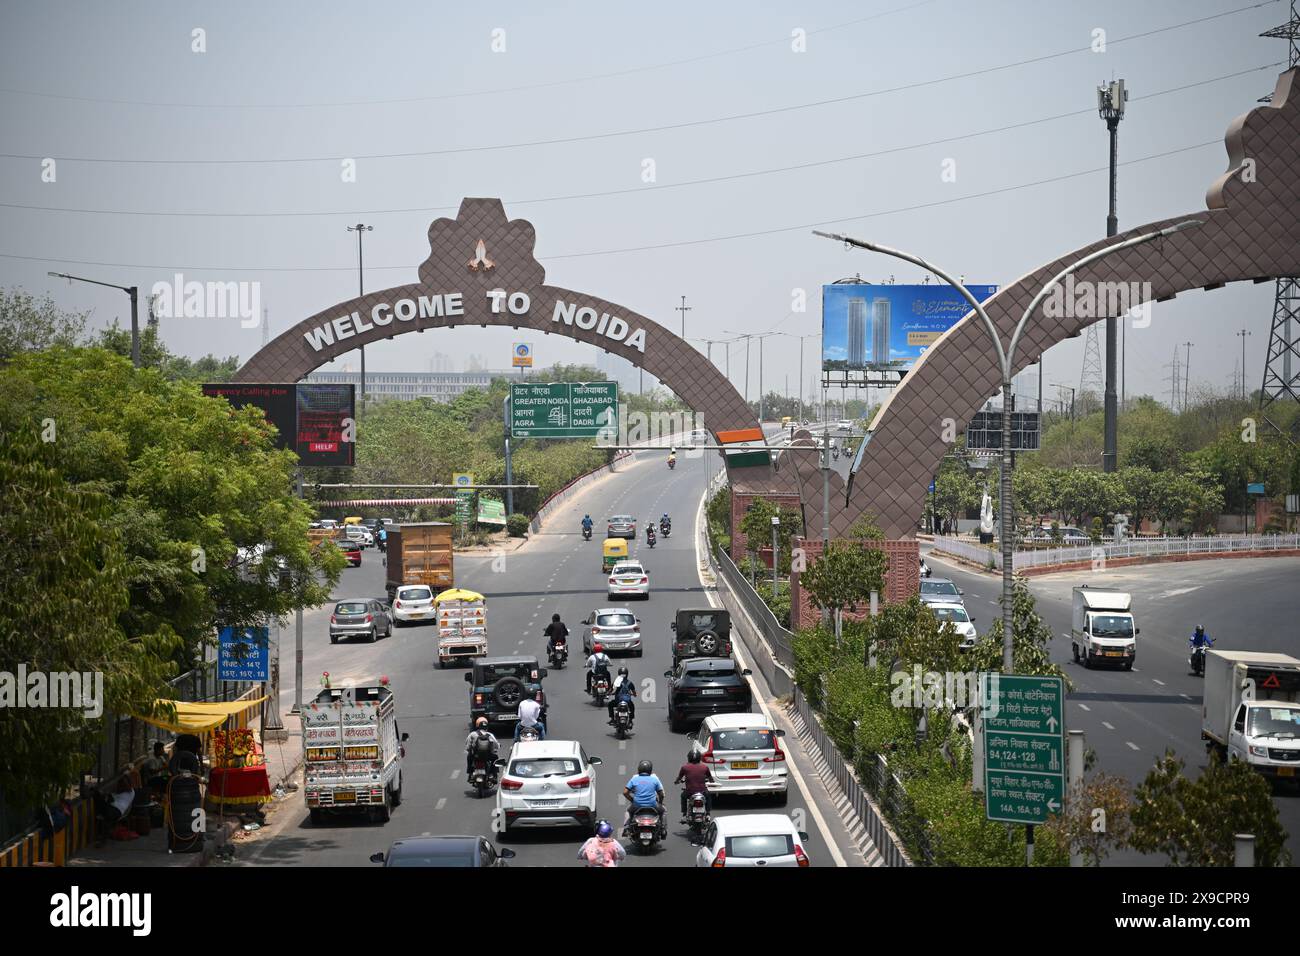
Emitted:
<point x="33" y="848"/>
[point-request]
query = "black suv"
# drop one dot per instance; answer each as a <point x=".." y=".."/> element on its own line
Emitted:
<point x="701" y="686"/>
<point x="498" y="684"/>
<point x="701" y="632"/>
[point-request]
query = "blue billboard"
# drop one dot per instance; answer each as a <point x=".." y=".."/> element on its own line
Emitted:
<point x="867" y="326"/>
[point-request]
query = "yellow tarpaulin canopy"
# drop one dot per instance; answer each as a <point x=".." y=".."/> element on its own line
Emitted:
<point x="458" y="594"/>
<point x="198" y="718"/>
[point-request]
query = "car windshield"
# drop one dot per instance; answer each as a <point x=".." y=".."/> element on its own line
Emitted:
<point x="759" y="846"/>
<point x="955" y="614"/>
<point x="1274" y="722"/>
<point x="710" y="672"/>
<point x="452" y="856"/>
<point x="755" y="739"/>
<point x="1112" y="625"/>
<point x="628" y="569"/>
<point x="615" y="620"/>
<point x="491" y="673"/>
<point x="350" y="607"/>
<point x="545" y="767"/>
<point x="938" y="587"/>
<point x="415" y="594"/>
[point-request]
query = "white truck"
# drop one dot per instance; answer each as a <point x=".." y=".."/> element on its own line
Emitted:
<point x="352" y="751"/>
<point x="1101" y="628"/>
<point x="1251" y="710"/>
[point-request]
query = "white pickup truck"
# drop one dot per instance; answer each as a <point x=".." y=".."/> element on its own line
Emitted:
<point x="352" y="751"/>
<point x="1101" y="628"/>
<point x="1251" y="710"/>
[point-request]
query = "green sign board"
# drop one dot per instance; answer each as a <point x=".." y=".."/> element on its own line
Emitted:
<point x="491" y="512"/>
<point x="464" y="505"/>
<point x="1023" y="721"/>
<point x="564" y="409"/>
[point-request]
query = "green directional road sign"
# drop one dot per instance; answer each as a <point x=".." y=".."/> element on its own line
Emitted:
<point x="1024" y="747"/>
<point x="464" y="505"/>
<point x="564" y="409"/>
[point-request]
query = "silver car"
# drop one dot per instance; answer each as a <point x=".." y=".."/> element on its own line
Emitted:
<point x="360" y="616"/>
<point x="616" y="628"/>
<point x="940" y="591"/>
<point x="621" y="526"/>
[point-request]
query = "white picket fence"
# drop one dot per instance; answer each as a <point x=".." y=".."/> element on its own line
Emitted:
<point x="1132" y="548"/>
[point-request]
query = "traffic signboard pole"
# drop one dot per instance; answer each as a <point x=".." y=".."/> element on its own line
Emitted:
<point x="510" y="492"/>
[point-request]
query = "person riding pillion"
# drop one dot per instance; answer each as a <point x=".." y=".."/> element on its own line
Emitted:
<point x="624" y="690"/>
<point x="597" y="662"/>
<point x="644" y="790"/>
<point x="481" y="744"/>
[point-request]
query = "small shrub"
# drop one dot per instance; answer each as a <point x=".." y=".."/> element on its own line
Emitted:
<point x="517" y="525"/>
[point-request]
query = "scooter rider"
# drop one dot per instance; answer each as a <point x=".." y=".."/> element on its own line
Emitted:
<point x="665" y="523"/>
<point x="598" y="661"/>
<point x="694" y="777"/>
<point x="586" y="524"/>
<point x="644" y="790"/>
<point x="624" y="689"/>
<point x="649" y="532"/>
<point x="555" y="631"/>
<point x="481" y="743"/>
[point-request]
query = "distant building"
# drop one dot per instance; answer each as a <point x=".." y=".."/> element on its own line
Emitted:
<point x="880" y="331"/>
<point x="857" y="357"/>
<point x="439" y="386"/>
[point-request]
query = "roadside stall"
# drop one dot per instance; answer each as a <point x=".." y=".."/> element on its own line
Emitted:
<point x="462" y="625"/>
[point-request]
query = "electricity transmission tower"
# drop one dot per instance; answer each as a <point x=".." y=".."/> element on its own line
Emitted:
<point x="1175" y="382"/>
<point x="1092" y="379"/>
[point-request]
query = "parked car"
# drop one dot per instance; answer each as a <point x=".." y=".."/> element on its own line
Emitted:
<point x="547" y="783"/>
<point x="702" y="686"/>
<point x="753" y="839"/>
<point x="629" y="579"/>
<point x="444" y="851"/>
<point x="701" y="632"/>
<point x="498" y="684"/>
<point x="364" y="617"/>
<point x="954" y="614"/>
<point x="352" y="552"/>
<point x="621" y="526"/>
<point x="940" y="591"/>
<point x="744" y="753"/>
<point x="413" y="604"/>
<point x="617" y="629"/>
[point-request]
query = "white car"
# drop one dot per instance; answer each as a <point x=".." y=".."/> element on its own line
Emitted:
<point x="617" y="628"/>
<point x="956" y="616"/>
<point x="413" y="604"/>
<point x="753" y="839"/>
<point x="547" y="783"/>
<point x="359" y="534"/>
<point x="743" y="751"/>
<point x="844" y="425"/>
<point x="699" y="437"/>
<point x="629" y="578"/>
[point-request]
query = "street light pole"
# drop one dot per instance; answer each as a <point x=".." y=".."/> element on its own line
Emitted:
<point x="1110" y="105"/>
<point x="1006" y="360"/>
<point x="133" y="292"/>
<point x="359" y="228"/>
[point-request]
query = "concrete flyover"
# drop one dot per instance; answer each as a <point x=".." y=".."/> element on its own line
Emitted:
<point x="1251" y="232"/>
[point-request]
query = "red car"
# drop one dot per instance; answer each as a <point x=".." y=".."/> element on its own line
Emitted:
<point x="352" y="551"/>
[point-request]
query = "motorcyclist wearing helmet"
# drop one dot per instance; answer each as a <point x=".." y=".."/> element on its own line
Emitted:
<point x="598" y="661"/>
<point x="481" y="743"/>
<point x="1199" y="638"/>
<point x="555" y="631"/>
<point x="649" y="531"/>
<point x="672" y="456"/>
<point x="624" y="689"/>
<point x="644" y="790"/>
<point x="586" y="522"/>
<point x="602" y="849"/>
<point x="665" y="523"/>
<point x="695" y="777"/>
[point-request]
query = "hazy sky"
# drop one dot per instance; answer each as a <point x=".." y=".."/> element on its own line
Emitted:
<point x="321" y="81"/>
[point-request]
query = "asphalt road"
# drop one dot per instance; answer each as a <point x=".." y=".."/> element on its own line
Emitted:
<point x="1131" y="717"/>
<point x="557" y="571"/>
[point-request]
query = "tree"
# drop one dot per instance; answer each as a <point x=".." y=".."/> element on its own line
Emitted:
<point x="66" y="589"/>
<point x="29" y="325"/>
<point x="757" y="527"/>
<point x="845" y="575"/>
<point x="955" y="490"/>
<point x="1030" y="636"/>
<point x="866" y="528"/>
<point x="154" y="354"/>
<point x="1194" y="822"/>
<point x="1096" y="819"/>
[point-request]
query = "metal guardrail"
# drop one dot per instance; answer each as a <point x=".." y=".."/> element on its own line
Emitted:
<point x="1132" y="548"/>
<point x="890" y="847"/>
<point x="777" y="637"/>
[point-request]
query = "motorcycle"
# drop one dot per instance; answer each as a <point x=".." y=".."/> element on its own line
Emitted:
<point x="559" y="654"/>
<point x="1196" y="660"/>
<point x="600" y="688"/>
<point x="645" y="828"/>
<point x="697" y="816"/>
<point x="586" y="534"/>
<point x="672" y="463"/>
<point x="650" y="539"/>
<point x="484" y="775"/>
<point x="665" y="528"/>
<point x="529" y="733"/>
<point x="622" y="719"/>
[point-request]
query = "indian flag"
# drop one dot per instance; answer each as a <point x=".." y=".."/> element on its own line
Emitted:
<point x="749" y="449"/>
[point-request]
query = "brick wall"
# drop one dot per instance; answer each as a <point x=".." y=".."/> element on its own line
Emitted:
<point x="740" y="502"/>
<point x="902" y="580"/>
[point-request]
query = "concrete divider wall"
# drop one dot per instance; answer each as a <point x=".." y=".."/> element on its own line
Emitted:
<point x="559" y="497"/>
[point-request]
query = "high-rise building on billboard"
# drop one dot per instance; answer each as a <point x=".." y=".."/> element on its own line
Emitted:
<point x="857" y="332"/>
<point x="880" y="332"/>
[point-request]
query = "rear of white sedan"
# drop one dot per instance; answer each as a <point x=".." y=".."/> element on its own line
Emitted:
<point x="753" y="839"/>
<point x="629" y="579"/>
<point x="743" y="752"/>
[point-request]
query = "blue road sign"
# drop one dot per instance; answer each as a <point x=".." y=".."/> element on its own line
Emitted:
<point x="245" y="655"/>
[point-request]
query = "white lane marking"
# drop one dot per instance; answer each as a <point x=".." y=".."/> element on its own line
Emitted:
<point x="1177" y="591"/>
<point x="1085" y="707"/>
<point x="1108" y="725"/>
<point x="442" y="802"/>
<point x="622" y="769"/>
<point x="1160" y="682"/>
<point x="715" y="601"/>
<point x="1132" y="745"/>
<point x="622" y="745"/>
<point x="455" y="773"/>
<point x="1187" y="696"/>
